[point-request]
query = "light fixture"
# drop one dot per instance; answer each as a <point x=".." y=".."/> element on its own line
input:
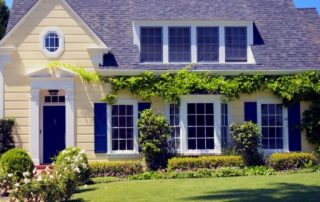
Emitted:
<point x="53" y="92"/>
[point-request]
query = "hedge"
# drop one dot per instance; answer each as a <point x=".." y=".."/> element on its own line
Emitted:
<point x="209" y="162"/>
<point x="290" y="161"/>
<point x="115" y="169"/>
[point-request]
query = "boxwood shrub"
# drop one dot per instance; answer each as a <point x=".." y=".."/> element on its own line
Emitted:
<point x="115" y="169"/>
<point x="290" y="161"/>
<point x="16" y="161"/>
<point x="210" y="162"/>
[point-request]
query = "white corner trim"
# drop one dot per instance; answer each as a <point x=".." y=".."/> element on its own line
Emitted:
<point x="42" y="39"/>
<point x="135" y="150"/>
<point x="285" y="123"/>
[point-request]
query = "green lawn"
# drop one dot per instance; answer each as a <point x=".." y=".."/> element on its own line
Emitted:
<point x="295" y="187"/>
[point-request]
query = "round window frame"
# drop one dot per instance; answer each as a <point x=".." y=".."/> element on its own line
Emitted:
<point x="60" y="49"/>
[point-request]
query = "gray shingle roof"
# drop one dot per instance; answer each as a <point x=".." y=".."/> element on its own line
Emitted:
<point x="290" y="36"/>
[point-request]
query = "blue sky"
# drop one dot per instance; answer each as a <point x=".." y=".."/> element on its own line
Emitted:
<point x="299" y="3"/>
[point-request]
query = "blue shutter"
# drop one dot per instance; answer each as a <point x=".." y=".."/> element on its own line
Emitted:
<point x="143" y="106"/>
<point x="250" y="112"/>
<point x="294" y="121"/>
<point x="100" y="128"/>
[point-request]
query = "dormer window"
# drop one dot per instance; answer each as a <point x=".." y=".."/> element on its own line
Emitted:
<point x="208" y="44"/>
<point x="151" y="44"/>
<point x="236" y="44"/>
<point x="52" y="42"/>
<point x="192" y="42"/>
<point x="179" y="44"/>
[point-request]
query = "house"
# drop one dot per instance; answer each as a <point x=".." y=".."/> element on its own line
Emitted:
<point x="54" y="109"/>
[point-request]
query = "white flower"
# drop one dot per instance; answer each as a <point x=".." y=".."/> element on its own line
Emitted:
<point x="64" y="152"/>
<point x="26" y="174"/>
<point x="39" y="178"/>
<point x="10" y="175"/>
<point x="85" y="186"/>
<point x="16" y="184"/>
<point x="77" y="170"/>
<point x="51" y="177"/>
<point x="34" y="171"/>
<point x="26" y="180"/>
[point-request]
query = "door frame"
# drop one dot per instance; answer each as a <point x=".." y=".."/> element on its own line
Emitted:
<point x="46" y="83"/>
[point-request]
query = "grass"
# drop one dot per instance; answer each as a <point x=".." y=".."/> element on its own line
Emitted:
<point x="298" y="187"/>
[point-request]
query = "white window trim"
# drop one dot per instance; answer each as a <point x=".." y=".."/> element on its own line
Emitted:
<point x="285" y="124"/>
<point x="214" y="99"/>
<point x="167" y="115"/>
<point x="60" y="34"/>
<point x="135" y="150"/>
<point x="193" y="25"/>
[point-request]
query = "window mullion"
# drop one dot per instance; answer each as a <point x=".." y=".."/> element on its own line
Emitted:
<point x="194" y="44"/>
<point x="222" y="48"/>
<point x="165" y="38"/>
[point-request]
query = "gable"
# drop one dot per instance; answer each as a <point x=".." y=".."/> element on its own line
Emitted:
<point x="46" y="14"/>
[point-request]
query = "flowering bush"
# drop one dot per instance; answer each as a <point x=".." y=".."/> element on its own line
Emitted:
<point x="74" y="159"/>
<point x="46" y="186"/>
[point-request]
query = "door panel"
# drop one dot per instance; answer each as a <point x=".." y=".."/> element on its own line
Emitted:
<point x="54" y="129"/>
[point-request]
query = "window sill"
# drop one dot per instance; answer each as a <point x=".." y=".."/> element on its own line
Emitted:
<point x="271" y="151"/>
<point x="200" y="152"/>
<point x="123" y="155"/>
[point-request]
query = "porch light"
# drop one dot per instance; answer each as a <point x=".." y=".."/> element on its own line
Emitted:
<point x="53" y="92"/>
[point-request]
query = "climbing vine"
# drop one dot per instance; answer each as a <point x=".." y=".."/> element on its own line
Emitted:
<point x="290" y="88"/>
<point x="88" y="76"/>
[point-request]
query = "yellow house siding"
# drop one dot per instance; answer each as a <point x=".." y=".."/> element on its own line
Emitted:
<point x="28" y="57"/>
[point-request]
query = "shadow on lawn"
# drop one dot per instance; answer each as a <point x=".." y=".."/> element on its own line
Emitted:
<point x="279" y="192"/>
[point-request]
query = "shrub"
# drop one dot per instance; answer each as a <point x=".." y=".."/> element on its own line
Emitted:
<point x="259" y="170"/>
<point x="6" y="137"/>
<point x="115" y="169"/>
<point x="154" y="132"/>
<point x="228" y="172"/>
<point x="74" y="159"/>
<point x="210" y="162"/>
<point x="287" y="161"/>
<point x="204" y="173"/>
<point x="247" y="139"/>
<point x="311" y="123"/>
<point x="16" y="162"/>
<point x="48" y="186"/>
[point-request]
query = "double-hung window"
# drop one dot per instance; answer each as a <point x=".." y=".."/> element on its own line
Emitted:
<point x="151" y="44"/>
<point x="175" y="126"/>
<point x="224" y="125"/>
<point x="200" y="126"/>
<point x="272" y="126"/>
<point x="179" y="44"/>
<point x="208" y="44"/>
<point x="122" y="126"/>
<point x="236" y="44"/>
